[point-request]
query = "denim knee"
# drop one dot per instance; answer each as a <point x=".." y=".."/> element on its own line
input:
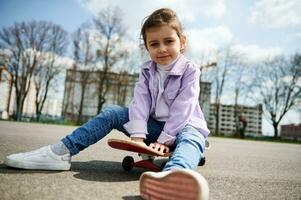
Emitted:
<point x="115" y="108"/>
<point x="193" y="136"/>
<point x="116" y="114"/>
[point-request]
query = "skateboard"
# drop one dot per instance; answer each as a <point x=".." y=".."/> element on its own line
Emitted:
<point x="147" y="154"/>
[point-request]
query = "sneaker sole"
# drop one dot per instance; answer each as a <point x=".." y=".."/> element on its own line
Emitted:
<point x="37" y="166"/>
<point x="177" y="185"/>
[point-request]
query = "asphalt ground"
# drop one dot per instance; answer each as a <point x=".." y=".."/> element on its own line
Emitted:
<point x="235" y="169"/>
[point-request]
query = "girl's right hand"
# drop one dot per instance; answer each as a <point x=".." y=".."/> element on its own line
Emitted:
<point x="159" y="147"/>
<point x="138" y="139"/>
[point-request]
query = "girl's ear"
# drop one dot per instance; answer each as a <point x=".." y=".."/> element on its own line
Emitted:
<point x="183" y="43"/>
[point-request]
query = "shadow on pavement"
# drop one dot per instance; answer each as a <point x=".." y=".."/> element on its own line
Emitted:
<point x="95" y="170"/>
<point x="132" y="198"/>
<point x="103" y="171"/>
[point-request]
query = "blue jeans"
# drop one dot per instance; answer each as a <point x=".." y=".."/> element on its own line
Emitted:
<point x="188" y="148"/>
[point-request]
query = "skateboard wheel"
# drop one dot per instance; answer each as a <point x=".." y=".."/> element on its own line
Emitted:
<point x="207" y="144"/>
<point x="202" y="161"/>
<point x="127" y="163"/>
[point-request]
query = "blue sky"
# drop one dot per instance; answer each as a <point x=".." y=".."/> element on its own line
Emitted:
<point x="257" y="28"/>
<point x="68" y="13"/>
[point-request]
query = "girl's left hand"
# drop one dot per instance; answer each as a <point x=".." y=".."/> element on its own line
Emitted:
<point x="159" y="147"/>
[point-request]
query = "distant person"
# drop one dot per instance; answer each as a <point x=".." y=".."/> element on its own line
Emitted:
<point x="242" y="126"/>
<point x="165" y="113"/>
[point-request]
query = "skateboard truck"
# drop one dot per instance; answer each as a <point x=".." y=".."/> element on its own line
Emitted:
<point x="147" y="162"/>
<point x="146" y="153"/>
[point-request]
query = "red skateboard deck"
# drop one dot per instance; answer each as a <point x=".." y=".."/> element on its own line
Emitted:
<point x="146" y="162"/>
<point x="129" y="145"/>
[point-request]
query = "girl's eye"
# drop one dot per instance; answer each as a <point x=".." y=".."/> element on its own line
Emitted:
<point x="169" y="41"/>
<point x="154" y="44"/>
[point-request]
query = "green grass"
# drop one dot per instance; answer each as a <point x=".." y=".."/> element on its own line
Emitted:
<point x="261" y="138"/>
<point x="45" y="121"/>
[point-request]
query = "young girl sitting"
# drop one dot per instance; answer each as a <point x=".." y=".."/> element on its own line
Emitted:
<point x="165" y="113"/>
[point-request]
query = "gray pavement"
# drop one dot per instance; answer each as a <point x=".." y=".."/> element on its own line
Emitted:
<point x="235" y="169"/>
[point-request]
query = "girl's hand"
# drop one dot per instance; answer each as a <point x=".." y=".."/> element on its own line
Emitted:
<point x="159" y="147"/>
<point x="138" y="139"/>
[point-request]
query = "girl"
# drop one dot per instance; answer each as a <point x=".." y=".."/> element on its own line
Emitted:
<point x="164" y="114"/>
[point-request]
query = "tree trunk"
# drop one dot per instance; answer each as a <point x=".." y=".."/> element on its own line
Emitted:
<point x="217" y="108"/>
<point x="68" y="90"/>
<point x="102" y="89"/>
<point x="11" y="81"/>
<point x="275" y="126"/>
<point x="38" y="116"/>
<point x="18" y="114"/>
<point x="236" y="114"/>
<point x="82" y="99"/>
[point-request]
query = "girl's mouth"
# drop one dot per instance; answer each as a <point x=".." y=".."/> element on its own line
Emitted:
<point x="162" y="57"/>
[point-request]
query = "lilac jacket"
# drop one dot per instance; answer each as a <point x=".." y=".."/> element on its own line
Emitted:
<point x="181" y="95"/>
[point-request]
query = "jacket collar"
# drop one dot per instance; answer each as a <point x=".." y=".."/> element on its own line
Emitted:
<point x="177" y="69"/>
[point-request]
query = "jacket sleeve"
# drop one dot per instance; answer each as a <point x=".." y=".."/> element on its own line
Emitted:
<point x="182" y="107"/>
<point x="139" y="108"/>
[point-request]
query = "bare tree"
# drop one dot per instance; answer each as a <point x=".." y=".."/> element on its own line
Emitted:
<point x="241" y="86"/>
<point x="4" y="60"/>
<point x="225" y="59"/>
<point x="122" y="87"/>
<point x="48" y="66"/>
<point x="205" y="64"/>
<point x="84" y="56"/>
<point x="238" y="87"/>
<point x="4" y="76"/>
<point x="111" y="32"/>
<point x="80" y="74"/>
<point x="68" y="99"/>
<point x="278" y="84"/>
<point x="25" y="41"/>
<point x="127" y="70"/>
<point x="205" y="67"/>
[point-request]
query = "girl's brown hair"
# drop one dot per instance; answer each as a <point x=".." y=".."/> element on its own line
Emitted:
<point x="163" y="16"/>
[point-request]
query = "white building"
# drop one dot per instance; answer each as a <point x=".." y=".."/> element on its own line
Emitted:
<point x="120" y="92"/>
<point x="204" y="99"/>
<point x="52" y="106"/>
<point x="227" y="122"/>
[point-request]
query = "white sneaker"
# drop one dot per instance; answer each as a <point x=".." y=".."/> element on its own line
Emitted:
<point x="42" y="159"/>
<point x="176" y="185"/>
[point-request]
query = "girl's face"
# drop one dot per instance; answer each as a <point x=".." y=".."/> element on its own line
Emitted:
<point x="163" y="44"/>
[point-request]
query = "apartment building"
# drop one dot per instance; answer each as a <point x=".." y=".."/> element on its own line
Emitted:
<point x="51" y="107"/>
<point x="252" y="115"/>
<point x="204" y="98"/>
<point x="291" y="131"/>
<point x="119" y="91"/>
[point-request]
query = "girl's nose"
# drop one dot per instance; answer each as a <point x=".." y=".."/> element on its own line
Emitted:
<point x="162" y="48"/>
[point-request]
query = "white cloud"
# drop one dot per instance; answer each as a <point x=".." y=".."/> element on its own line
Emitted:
<point x="136" y="10"/>
<point x="65" y="62"/>
<point x="207" y="41"/>
<point x="255" y="53"/>
<point x="187" y="11"/>
<point x="276" y="13"/>
<point x="190" y="10"/>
